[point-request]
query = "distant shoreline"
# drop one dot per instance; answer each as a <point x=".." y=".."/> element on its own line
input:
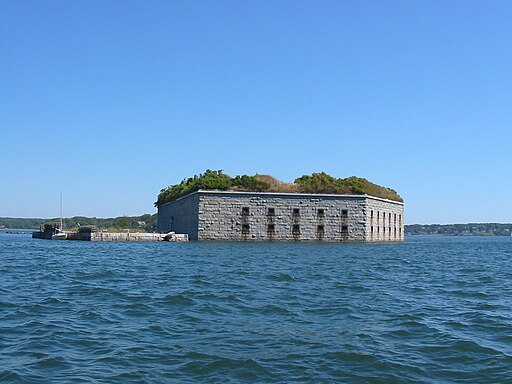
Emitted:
<point x="148" y="222"/>
<point x="437" y="235"/>
<point x="469" y="229"/>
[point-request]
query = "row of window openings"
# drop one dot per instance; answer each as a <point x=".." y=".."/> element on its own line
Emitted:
<point x="296" y="212"/>
<point x="295" y="228"/>
<point x="384" y="230"/>
<point x="384" y="217"/>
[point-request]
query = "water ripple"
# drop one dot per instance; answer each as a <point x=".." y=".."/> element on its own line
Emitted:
<point x="429" y="310"/>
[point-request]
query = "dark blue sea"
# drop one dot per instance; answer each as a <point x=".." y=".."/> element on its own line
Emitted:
<point x="429" y="310"/>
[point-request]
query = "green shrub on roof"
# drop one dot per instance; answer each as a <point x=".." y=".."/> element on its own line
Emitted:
<point x="321" y="183"/>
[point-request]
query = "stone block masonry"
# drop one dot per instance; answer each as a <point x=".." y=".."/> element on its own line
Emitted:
<point x="126" y="237"/>
<point x="267" y="216"/>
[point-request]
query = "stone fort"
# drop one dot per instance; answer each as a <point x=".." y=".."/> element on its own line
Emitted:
<point x="273" y="216"/>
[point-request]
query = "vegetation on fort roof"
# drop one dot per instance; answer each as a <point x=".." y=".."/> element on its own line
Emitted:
<point x="314" y="183"/>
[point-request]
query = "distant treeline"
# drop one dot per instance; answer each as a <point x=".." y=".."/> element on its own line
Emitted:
<point x="146" y="222"/>
<point x="471" y="229"/>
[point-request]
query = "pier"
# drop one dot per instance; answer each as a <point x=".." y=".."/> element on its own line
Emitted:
<point x="110" y="236"/>
<point x="91" y="234"/>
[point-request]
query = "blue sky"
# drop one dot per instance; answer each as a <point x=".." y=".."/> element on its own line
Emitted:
<point x="110" y="101"/>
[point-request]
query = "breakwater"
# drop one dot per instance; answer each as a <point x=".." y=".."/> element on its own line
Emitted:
<point x="110" y="236"/>
<point x="113" y="236"/>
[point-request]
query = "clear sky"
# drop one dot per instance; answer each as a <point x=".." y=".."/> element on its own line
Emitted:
<point x="111" y="101"/>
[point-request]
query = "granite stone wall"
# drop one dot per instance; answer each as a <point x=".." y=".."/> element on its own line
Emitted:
<point x="180" y="216"/>
<point x="247" y="216"/>
<point x="385" y="220"/>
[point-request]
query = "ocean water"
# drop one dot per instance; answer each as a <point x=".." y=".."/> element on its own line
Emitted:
<point x="429" y="310"/>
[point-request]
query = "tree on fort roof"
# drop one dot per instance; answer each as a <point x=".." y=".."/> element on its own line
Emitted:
<point x="317" y="183"/>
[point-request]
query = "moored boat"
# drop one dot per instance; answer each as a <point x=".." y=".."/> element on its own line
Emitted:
<point x="59" y="235"/>
<point x="59" y="232"/>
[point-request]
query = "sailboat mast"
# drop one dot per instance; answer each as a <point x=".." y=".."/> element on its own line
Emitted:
<point x="61" y="225"/>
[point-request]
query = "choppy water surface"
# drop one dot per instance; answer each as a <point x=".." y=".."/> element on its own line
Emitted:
<point x="428" y="310"/>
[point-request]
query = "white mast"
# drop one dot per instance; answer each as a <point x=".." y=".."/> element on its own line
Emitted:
<point x="61" y="225"/>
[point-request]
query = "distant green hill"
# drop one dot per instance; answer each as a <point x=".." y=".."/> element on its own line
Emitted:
<point x="471" y="229"/>
<point x="314" y="183"/>
<point x="146" y="222"/>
